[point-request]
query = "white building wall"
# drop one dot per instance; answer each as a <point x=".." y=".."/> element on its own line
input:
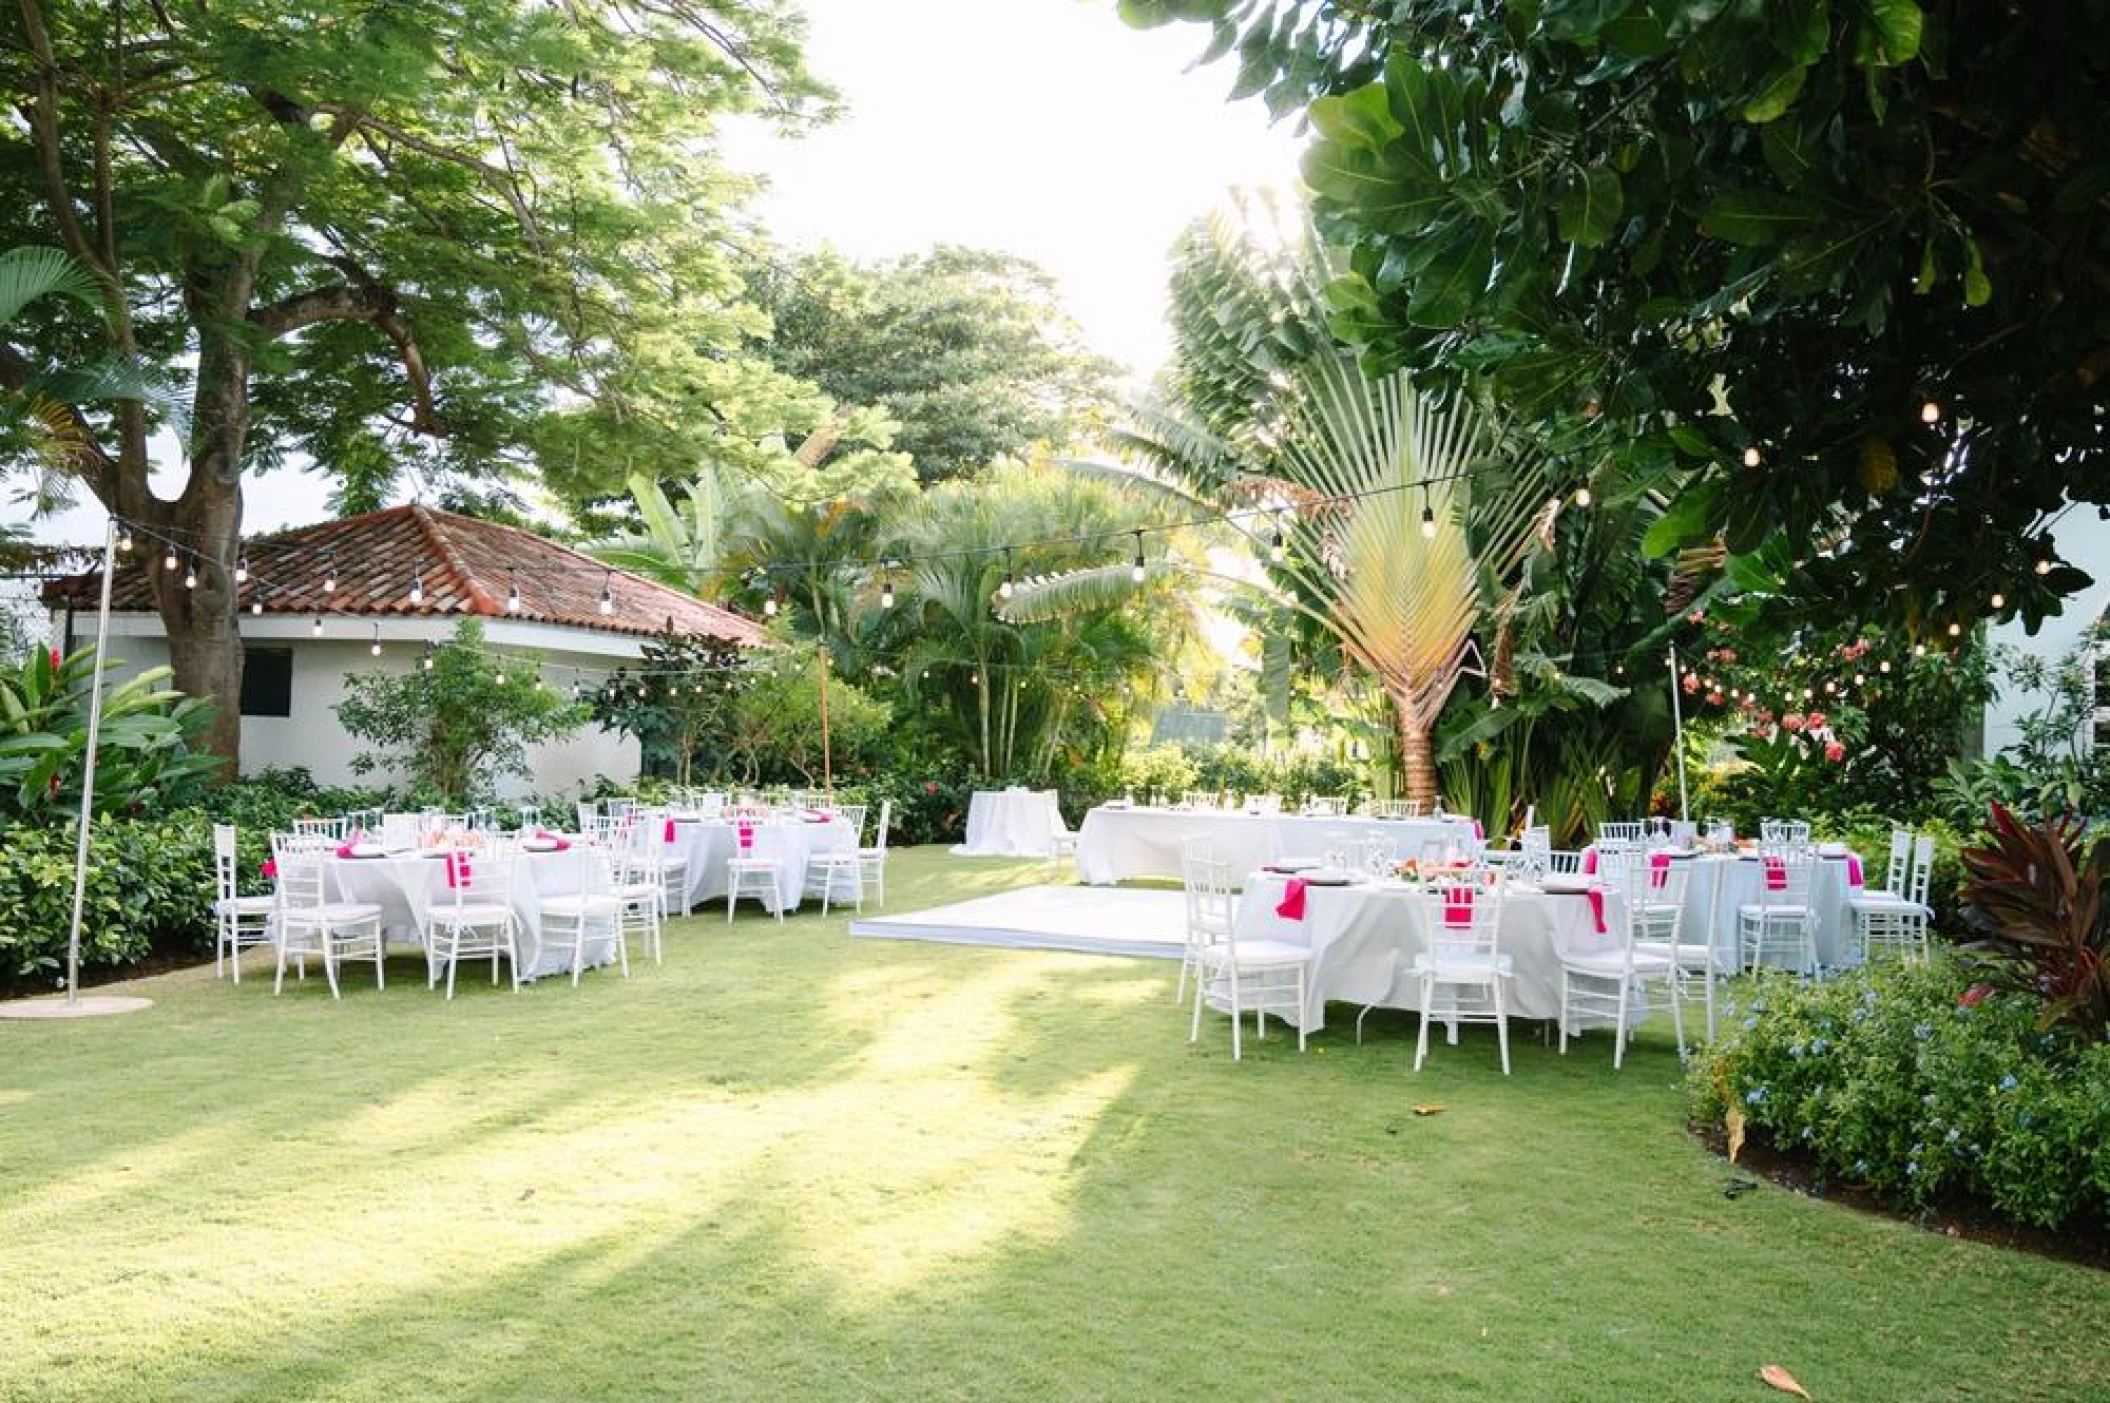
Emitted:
<point x="2083" y="539"/>
<point x="311" y="738"/>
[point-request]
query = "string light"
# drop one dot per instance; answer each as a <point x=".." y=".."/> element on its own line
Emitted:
<point x="1955" y="630"/>
<point x="316" y="630"/>
<point x="1930" y="413"/>
<point x="886" y="590"/>
<point x="607" y="602"/>
<point x="256" y="604"/>
<point x="1883" y="666"/>
<point x="426" y="661"/>
<point x="190" y="572"/>
<point x="1136" y="572"/>
<point x="1582" y="494"/>
<point x="512" y="590"/>
<point x="501" y="674"/>
<point x="1998" y="601"/>
<point x="241" y="569"/>
<point x="417" y="590"/>
<point x="1004" y="590"/>
<point x="169" y="561"/>
<point x="1919" y="650"/>
<point x="769" y="605"/>
<point x="124" y="539"/>
<point x="329" y="573"/>
<point x="2043" y="565"/>
<point x="1428" y="516"/>
<point x="1752" y="457"/>
<point x="376" y="649"/>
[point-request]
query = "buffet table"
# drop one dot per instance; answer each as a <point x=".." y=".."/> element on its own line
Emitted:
<point x="1011" y="823"/>
<point x="1364" y="938"/>
<point x="1115" y="844"/>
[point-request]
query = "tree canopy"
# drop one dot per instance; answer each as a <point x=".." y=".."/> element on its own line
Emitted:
<point x="449" y="237"/>
<point x="968" y="351"/>
<point x="1826" y="274"/>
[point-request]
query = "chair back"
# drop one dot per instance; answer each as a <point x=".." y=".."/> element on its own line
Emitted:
<point x="1654" y="884"/>
<point x="1210" y="909"/>
<point x="1375" y="855"/>
<point x="1785" y="875"/>
<point x="401" y="830"/>
<point x="1614" y="858"/>
<point x="1323" y="806"/>
<point x="886" y="817"/>
<point x="1264" y="803"/>
<point x="225" y="858"/>
<point x="319" y="827"/>
<point x="1463" y="912"/>
<point x="1783" y="830"/>
<point x="1534" y="857"/>
<point x="301" y="861"/>
<point x="854" y="816"/>
<point x="1922" y="869"/>
<point x="479" y="877"/>
<point x="1899" y="869"/>
<point x="587" y="812"/>
<point x="1619" y="833"/>
<point x="529" y="816"/>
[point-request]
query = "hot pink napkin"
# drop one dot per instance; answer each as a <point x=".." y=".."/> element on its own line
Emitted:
<point x="457" y="869"/>
<point x="1292" y="906"/>
<point x="1589" y="861"/>
<point x="544" y="835"/>
<point x="668" y="835"/>
<point x="267" y="868"/>
<point x="1458" y="906"/>
<point x="1776" y="874"/>
<point x="1596" y="907"/>
<point x="1853" y="870"/>
<point x="1658" y="870"/>
<point x="747" y="837"/>
<point x="1478" y="831"/>
<point x="344" y="849"/>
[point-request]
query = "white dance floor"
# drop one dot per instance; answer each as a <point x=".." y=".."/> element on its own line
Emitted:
<point x="1090" y="920"/>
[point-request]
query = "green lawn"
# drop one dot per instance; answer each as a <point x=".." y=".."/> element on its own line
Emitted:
<point x="790" y="1165"/>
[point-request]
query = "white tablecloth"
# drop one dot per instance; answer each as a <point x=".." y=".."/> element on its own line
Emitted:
<point x="709" y="844"/>
<point x="1011" y="823"/>
<point x="405" y="889"/>
<point x="1364" y="939"/>
<point x="1115" y="844"/>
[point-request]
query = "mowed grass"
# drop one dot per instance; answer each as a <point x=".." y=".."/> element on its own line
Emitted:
<point x="788" y="1164"/>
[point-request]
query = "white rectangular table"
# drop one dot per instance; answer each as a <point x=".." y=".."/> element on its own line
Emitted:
<point x="1011" y="823"/>
<point x="1364" y="939"/>
<point x="1115" y="844"/>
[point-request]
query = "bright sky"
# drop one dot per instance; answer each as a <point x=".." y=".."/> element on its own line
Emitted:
<point x="1043" y="128"/>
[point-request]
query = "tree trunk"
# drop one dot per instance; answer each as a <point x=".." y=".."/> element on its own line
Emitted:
<point x="1417" y="755"/>
<point x="205" y="645"/>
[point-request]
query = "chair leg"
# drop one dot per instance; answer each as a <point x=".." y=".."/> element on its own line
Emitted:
<point x="1564" y="1011"/>
<point x="280" y="981"/>
<point x="1618" y="1026"/>
<point x="1237" y="1016"/>
<point x="1677" y="1013"/>
<point x="1421" y="1042"/>
<point x="1502" y="1024"/>
<point x="1303" y="1010"/>
<point x="1194" y="1029"/>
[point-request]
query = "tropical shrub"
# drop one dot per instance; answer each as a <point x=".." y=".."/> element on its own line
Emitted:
<point x="455" y="724"/>
<point x="144" y="762"/>
<point x="149" y="886"/>
<point x="2034" y="901"/>
<point x="1919" y="1084"/>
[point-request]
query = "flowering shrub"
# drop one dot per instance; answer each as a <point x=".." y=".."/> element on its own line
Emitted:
<point x="1917" y="1083"/>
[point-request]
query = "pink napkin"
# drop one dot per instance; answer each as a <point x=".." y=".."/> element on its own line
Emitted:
<point x="1458" y="906"/>
<point x="668" y="835"/>
<point x="1658" y="870"/>
<point x="1589" y="861"/>
<point x="747" y="837"/>
<point x="1853" y="870"/>
<point x="1596" y="907"/>
<point x="1776" y="874"/>
<point x="1478" y="831"/>
<point x="457" y="869"/>
<point x="544" y="835"/>
<point x="1292" y="907"/>
<point x="268" y="868"/>
<point x="344" y="849"/>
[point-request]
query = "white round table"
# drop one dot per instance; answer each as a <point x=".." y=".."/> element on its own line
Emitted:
<point x="1011" y="823"/>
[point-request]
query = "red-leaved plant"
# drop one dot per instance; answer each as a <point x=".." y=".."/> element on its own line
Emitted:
<point x="2033" y="895"/>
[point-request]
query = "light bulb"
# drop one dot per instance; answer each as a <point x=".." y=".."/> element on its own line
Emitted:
<point x="190" y="574"/>
<point x="1998" y="601"/>
<point x="1428" y="522"/>
<point x="329" y="579"/>
<point x="1860" y="679"/>
<point x="1883" y="666"/>
<point x="1930" y="413"/>
<point x="1751" y="456"/>
<point x="376" y="648"/>
<point x="169" y="561"/>
<point x="1275" y="550"/>
<point x="512" y="593"/>
<point x="1004" y="590"/>
<point x="241" y="570"/>
<point x="501" y="676"/>
<point x="316" y="630"/>
<point x="1919" y="650"/>
<point x="769" y="606"/>
<point x="1582" y="495"/>
<point x="2044" y="565"/>
<point x="1136" y="572"/>
<point x="124" y="540"/>
<point x="1955" y="630"/>
<point x="886" y="594"/>
<point x="607" y="603"/>
<point x="417" y="590"/>
<point x="256" y="605"/>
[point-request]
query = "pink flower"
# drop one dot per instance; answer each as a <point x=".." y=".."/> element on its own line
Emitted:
<point x="1696" y="616"/>
<point x="1815" y="720"/>
<point x="1714" y="698"/>
<point x="1691" y="684"/>
<point x="54" y="660"/>
<point x="930" y="786"/>
<point x="1728" y="655"/>
<point x="1792" y="721"/>
<point x="1834" y="751"/>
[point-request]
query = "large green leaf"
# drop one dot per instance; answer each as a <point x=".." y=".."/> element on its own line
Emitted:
<point x="1589" y="206"/>
<point x="1757" y="218"/>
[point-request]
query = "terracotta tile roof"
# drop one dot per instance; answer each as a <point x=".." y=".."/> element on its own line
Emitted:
<point x="467" y="567"/>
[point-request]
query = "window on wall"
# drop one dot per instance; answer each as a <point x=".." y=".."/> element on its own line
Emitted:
<point x="267" y="681"/>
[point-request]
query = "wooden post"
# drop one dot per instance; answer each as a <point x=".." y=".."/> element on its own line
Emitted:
<point x="827" y="763"/>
